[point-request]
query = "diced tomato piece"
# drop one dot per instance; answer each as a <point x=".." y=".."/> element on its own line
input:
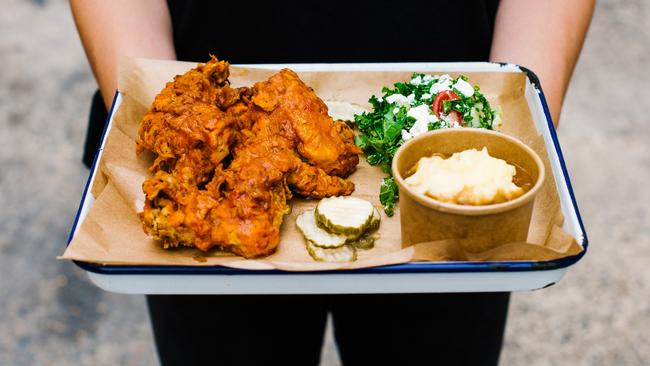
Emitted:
<point x="437" y="105"/>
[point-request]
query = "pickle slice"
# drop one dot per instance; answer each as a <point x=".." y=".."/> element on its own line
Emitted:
<point x="349" y="216"/>
<point x="375" y="221"/>
<point x="345" y="253"/>
<point x="367" y="239"/>
<point x="306" y="223"/>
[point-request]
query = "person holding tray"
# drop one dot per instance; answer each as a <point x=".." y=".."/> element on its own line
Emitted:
<point x="446" y="329"/>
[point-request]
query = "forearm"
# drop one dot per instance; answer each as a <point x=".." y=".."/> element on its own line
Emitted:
<point x="545" y="36"/>
<point x="111" y="30"/>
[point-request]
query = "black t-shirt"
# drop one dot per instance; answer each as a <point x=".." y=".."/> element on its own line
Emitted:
<point x="323" y="31"/>
<point x="333" y="30"/>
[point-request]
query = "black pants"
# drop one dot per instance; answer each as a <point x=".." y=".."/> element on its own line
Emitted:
<point x="405" y="329"/>
<point x="396" y="329"/>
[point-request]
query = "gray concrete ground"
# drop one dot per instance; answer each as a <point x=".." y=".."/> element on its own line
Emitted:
<point x="599" y="314"/>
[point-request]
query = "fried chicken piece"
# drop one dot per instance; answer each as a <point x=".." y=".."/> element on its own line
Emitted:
<point x="278" y="136"/>
<point x="264" y="164"/>
<point x="186" y="120"/>
<point x="248" y="218"/>
<point x="322" y="143"/>
<point x="313" y="182"/>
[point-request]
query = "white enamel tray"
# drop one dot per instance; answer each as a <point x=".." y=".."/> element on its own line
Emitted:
<point x="402" y="278"/>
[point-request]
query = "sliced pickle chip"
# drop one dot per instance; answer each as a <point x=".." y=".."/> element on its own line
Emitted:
<point x="306" y="223"/>
<point x="346" y="253"/>
<point x="375" y="221"/>
<point x="349" y="216"/>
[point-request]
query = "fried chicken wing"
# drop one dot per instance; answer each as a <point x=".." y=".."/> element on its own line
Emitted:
<point x="228" y="159"/>
<point x="323" y="144"/>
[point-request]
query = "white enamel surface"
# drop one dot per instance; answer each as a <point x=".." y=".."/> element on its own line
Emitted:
<point x="327" y="283"/>
<point x="361" y="283"/>
<point x="430" y="67"/>
<point x="571" y="224"/>
<point x="89" y="199"/>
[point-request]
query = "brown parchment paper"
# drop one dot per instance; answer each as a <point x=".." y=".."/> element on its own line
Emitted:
<point x="112" y="232"/>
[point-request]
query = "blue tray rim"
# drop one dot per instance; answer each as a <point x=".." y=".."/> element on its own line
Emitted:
<point x="412" y="267"/>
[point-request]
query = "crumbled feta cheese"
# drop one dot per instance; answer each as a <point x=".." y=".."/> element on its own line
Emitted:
<point x="427" y="78"/>
<point x="401" y="100"/>
<point x="421" y="114"/>
<point x="425" y="96"/>
<point x="411" y="98"/>
<point x="464" y="87"/>
<point x="395" y="110"/>
<point x="423" y="117"/>
<point x="443" y="83"/>
<point x="380" y="99"/>
<point x="421" y="126"/>
<point x="445" y="77"/>
<point x="416" y="80"/>
<point x="439" y="87"/>
<point x="448" y="122"/>
<point x="398" y="99"/>
<point x="406" y="135"/>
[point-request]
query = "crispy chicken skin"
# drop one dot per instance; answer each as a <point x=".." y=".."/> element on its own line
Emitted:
<point x="320" y="142"/>
<point x="186" y="125"/>
<point x="228" y="159"/>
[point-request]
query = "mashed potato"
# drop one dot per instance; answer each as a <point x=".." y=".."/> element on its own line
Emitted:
<point x="471" y="177"/>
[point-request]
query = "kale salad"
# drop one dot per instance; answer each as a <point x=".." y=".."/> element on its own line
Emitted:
<point x="425" y="103"/>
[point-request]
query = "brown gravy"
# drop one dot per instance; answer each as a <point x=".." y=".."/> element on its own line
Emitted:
<point x="522" y="178"/>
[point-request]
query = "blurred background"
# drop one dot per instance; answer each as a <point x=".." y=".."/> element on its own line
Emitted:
<point x="599" y="314"/>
